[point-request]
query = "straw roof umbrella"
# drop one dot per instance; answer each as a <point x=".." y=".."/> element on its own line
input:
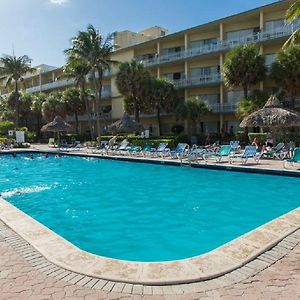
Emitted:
<point x="272" y="115"/>
<point x="125" y="125"/>
<point x="57" y="125"/>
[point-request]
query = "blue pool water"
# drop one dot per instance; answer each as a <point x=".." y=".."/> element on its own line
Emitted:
<point x="143" y="212"/>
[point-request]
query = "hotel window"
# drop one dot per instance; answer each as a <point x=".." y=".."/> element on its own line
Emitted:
<point x="241" y="34"/>
<point x="204" y="71"/>
<point x="275" y="24"/>
<point x="270" y="59"/>
<point x="172" y="50"/>
<point x="209" y="98"/>
<point x="174" y="76"/>
<point x="206" y="42"/>
<point x="234" y="97"/>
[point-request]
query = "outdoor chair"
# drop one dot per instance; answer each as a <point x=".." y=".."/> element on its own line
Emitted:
<point x="224" y="151"/>
<point x="294" y="159"/>
<point x="180" y="151"/>
<point x="249" y="152"/>
<point x="277" y="152"/>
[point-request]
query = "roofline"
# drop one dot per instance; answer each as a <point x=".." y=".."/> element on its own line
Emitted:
<point x="205" y="24"/>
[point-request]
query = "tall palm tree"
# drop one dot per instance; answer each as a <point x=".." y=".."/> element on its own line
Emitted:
<point x="133" y="83"/>
<point x="192" y="111"/>
<point x="96" y="51"/>
<point x="54" y="106"/>
<point x="285" y="71"/>
<point x="12" y="70"/>
<point x="244" y="67"/>
<point x="293" y="13"/>
<point x="36" y="108"/>
<point x="74" y="104"/>
<point x="78" y="69"/>
<point x="163" y="97"/>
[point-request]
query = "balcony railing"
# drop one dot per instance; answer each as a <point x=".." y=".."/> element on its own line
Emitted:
<point x="264" y="35"/>
<point x="94" y="116"/>
<point x="50" y="86"/>
<point x="198" y="81"/>
<point x="222" y="108"/>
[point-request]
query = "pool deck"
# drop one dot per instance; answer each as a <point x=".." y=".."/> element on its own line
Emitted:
<point x="240" y="260"/>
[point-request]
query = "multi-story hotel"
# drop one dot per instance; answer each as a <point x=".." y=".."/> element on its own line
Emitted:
<point x="192" y="59"/>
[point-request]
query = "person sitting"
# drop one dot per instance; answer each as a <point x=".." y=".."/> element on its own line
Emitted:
<point x="256" y="144"/>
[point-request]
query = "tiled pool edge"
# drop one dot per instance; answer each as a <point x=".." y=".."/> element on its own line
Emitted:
<point x="216" y="263"/>
<point x="41" y="264"/>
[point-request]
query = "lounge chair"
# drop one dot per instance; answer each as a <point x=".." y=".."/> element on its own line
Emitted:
<point x="51" y="142"/>
<point x="294" y="159"/>
<point x="249" y="152"/>
<point x="235" y="145"/>
<point x="159" y="151"/>
<point x="180" y="151"/>
<point x="277" y="152"/>
<point x="224" y="151"/>
<point x="196" y="153"/>
<point x="122" y="148"/>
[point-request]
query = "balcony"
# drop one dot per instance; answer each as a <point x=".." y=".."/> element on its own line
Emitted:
<point x="94" y="116"/>
<point x="198" y="81"/>
<point x="219" y="108"/>
<point x="50" y="86"/>
<point x="221" y="46"/>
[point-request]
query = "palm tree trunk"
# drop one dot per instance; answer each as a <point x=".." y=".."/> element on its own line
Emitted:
<point x="88" y="110"/>
<point x="96" y="92"/>
<point x="245" y="88"/>
<point x="158" y="120"/>
<point x="76" y="122"/>
<point x="136" y="112"/>
<point x="16" y="104"/>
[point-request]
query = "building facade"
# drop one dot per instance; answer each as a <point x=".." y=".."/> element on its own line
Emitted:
<point x="193" y="60"/>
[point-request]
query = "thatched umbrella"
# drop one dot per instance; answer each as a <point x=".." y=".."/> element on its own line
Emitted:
<point x="272" y="115"/>
<point x="125" y="125"/>
<point x="57" y="125"/>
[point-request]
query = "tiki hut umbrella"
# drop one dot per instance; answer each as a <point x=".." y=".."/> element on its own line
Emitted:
<point x="272" y="115"/>
<point x="125" y="125"/>
<point x="57" y="125"/>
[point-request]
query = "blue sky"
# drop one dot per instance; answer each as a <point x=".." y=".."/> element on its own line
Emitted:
<point x="42" y="28"/>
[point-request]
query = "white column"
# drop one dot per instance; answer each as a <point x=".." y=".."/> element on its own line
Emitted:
<point x="221" y="32"/>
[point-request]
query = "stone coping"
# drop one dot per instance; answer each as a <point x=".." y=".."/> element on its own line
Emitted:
<point x="220" y="261"/>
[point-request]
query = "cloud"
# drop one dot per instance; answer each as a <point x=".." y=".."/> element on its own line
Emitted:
<point x="58" y="2"/>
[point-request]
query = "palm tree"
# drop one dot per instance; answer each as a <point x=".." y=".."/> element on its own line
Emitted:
<point x="74" y="104"/>
<point x="163" y="97"/>
<point x="285" y="71"/>
<point x="254" y="102"/>
<point x="78" y="69"/>
<point x="53" y="106"/>
<point x="36" y="108"/>
<point x="293" y="13"/>
<point x="133" y="83"/>
<point x="12" y="69"/>
<point x="192" y="111"/>
<point x="244" y="67"/>
<point x="95" y="51"/>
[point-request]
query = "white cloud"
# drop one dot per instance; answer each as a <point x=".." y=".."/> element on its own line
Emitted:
<point x="58" y="2"/>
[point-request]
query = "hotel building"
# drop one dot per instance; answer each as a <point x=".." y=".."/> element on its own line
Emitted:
<point x="192" y="59"/>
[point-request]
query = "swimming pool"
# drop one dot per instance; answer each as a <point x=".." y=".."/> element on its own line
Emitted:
<point x="143" y="212"/>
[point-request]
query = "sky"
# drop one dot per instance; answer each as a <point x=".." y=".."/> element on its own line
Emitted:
<point x="42" y="29"/>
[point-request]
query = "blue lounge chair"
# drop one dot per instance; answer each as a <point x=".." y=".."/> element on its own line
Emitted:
<point x="180" y="151"/>
<point x="196" y="153"/>
<point x="277" y="152"/>
<point x="224" y="151"/>
<point x="249" y="152"/>
<point x="294" y="159"/>
<point x="235" y="145"/>
<point x="159" y="151"/>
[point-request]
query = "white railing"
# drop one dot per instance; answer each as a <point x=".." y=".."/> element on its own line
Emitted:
<point x="264" y="35"/>
<point x="94" y="116"/>
<point x="198" y="81"/>
<point x="50" y="86"/>
<point x="222" y="108"/>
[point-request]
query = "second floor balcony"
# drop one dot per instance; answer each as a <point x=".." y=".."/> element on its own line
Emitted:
<point x="211" y="79"/>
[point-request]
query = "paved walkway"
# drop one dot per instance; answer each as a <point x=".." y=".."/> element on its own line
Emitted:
<point x="19" y="280"/>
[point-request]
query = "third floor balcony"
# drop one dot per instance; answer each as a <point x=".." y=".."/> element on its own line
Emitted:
<point x="211" y="79"/>
<point x="225" y="45"/>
